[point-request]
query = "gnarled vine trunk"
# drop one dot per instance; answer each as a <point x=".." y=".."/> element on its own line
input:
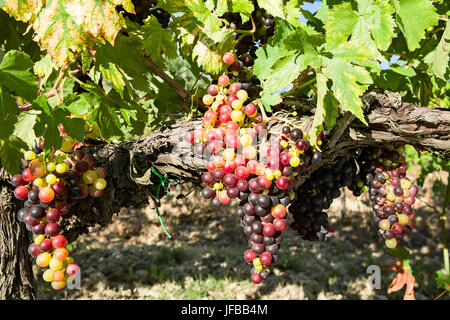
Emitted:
<point x="16" y="276"/>
<point x="131" y="181"/>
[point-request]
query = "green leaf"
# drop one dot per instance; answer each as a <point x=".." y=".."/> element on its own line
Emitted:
<point x="341" y="20"/>
<point x="48" y="120"/>
<point x="381" y="23"/>
<point x="11" y="153"/>
<point x="413" y="18"/>
<point x="283" y="73"/>
<point x="274" y="7"/>
<point x="8" y="105"/>
<point x="357" y="53"/>
<point x="107" y="121"/>
<point x="15" y="74"/>
<point x="308" y="44"/>
<point x="244" y="7"/>
<point x="8" y="112"/>
<point x="388" y="80"/>
<point x="443" y="280"/>
<point x="126" y="57"/>
<point x="331" y="106"/>
<point x="24" y="128"/>
<point x="293" y="12"/>
<point x="79" y="105"/>
<point x="319" y="115"/>
<point x="349" y="83"/>
<point x="43" y="68"/>
<point x="406" y="71"/>
<point x="372" y="25"/>
<point x="327" y="107"/>
<point x="266" y="57"/>
<point x="114" y="76"/>
<point x="438" y="59"/>
<point x="158" y="41"/>
<point x="270" y="99"/>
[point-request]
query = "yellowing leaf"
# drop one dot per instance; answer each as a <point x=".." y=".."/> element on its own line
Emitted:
<point x="210" y="60"/>
<point x="23" y="10"/>
<point x="66" y="28"/>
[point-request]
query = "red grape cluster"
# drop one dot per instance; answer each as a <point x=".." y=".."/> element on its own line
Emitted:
<point x="243" y="162"/>
<point x="392" y="195"/>
<point x="49" y="185"/>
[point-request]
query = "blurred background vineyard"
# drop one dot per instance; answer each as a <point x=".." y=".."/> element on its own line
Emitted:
<point x="132" y="258"/>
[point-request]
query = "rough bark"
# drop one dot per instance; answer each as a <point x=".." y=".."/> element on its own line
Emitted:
<point x="131" y="182"/>
<point x="16" y="276"/>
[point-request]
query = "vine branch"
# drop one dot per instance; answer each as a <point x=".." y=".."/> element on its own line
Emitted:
<point x="184" y="94"/>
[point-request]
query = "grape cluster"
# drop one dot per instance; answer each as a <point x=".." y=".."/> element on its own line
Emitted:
<point x="392" y="194"/>
<point x="247" y="44"/>
<point x="49" y="186"/>
<point x="380" y="172"/>
<point x="248" y="163"/>
<point x="316" y="195"/>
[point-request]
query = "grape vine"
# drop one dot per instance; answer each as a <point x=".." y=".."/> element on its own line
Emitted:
<point x="335" y="80"/>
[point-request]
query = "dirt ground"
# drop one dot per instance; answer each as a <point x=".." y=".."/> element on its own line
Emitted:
<point x="133" y="258"/>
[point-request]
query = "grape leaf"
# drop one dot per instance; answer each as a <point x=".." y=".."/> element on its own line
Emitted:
<point x="413" y="18"/>
<point x="48" y="120"/>
<point x="438" y="59"/>
<point x="43" y="68"/>
<point x="202" y="36"/>
<point x="381" y="23"/>
<point x="11" y="153"/>
<point x="107" y="120"/>
<point x="15" y="74"/>
<point x="274" y="7"/>
<point x="357" y="53"/>
<point x="78" y="104"/>
<point x="114" y="76"/>
<point x="24" y="127"/>
<point x="293" y="12"/>
<point x="319" y="115"/>
<point x="349" y="83"/>
<point x="111" y="113"/>
<point x="269" y="99"/>
<point x="284" y="72"/>
<point x="341" y="19"/>
<point x="158" y="41"/>
<point x="210" y="56"/>
<point x="266" y="55"/>
<point x="331" y="106"/>
<point x="372" y="25"/>
<point x="8" y="105"/>
<point x="8" y="112"/>
<point x="66" y="28"/>
<point x="308" y="44"/>
<point x="388" y="80"/>
<point x="23" y="10"/>
<point x="125" y="57"/>
<point x="244" y="7"/>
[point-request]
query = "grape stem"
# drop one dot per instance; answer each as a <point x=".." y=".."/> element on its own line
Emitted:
<point x="261" y="108"/>
<point x="302" y="77"/>
<point x="184" y="94"/>
<point x="52" y="93"/>
<point x="244" y="32"/>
